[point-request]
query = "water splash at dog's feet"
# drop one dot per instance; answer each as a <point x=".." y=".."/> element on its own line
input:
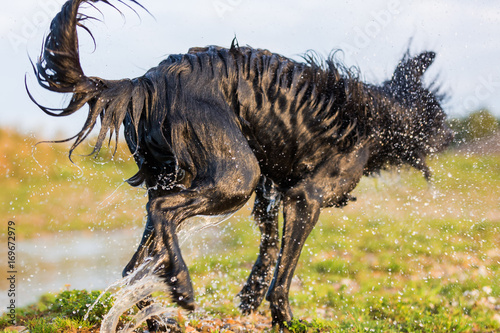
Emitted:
<point x="132" y="289"/>
<point x="160" y="314"/>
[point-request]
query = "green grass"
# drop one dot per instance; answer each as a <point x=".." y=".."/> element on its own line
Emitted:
<point x="63" y="312"/>
<point x="43" y="192"/>
<point x="406" y="257"/>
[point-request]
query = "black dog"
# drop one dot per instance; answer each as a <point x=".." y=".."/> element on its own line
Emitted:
<point x="211" y="127"/>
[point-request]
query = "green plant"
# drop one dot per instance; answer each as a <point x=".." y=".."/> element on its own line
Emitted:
<point x="302" y="326"/>
<point x="476" y="125"/>
<point x="480" y="124"/>
<point x="75" y="304"/>
<point x="41" y="325"/>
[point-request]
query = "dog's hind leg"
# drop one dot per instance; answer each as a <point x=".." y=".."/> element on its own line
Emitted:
<point x="144" y="250"/>
<point x="223" y="173"/>
<point x="168" y="212"/>
<point x="265" y="211"/>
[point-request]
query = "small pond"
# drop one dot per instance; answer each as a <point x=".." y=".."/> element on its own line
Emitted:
<point x="75" y="260"/>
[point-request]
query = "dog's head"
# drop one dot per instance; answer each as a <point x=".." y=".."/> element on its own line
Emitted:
<point x="423" y="129"/>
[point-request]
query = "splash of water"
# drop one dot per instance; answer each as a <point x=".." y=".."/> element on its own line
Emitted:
<point x="130" y="295"/>
<point x="131" y="289"/>
<point x="153" y="310"/>
<point x="198" y="223"/>
<point x="107" y="201"/>
<point x="33" y="150"/>
<point x="143" y="281"/>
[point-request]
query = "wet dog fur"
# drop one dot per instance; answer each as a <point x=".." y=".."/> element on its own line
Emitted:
<point x="210" y="128"/>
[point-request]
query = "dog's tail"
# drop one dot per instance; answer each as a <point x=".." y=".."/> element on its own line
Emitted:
<point x="58" y="69"/>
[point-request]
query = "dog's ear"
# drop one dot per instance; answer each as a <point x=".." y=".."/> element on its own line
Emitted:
<point x="410" y="70"/>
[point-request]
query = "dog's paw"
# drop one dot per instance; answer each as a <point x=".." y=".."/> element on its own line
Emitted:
<point x="173" y="326"/>
<point x="247" y="304"/>
<point x="182" y="298"/>
<point x="250" y="298"/>
<point x="168" y="325"/>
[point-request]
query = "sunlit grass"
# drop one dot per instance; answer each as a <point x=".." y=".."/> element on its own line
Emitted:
<point x="419" y="278"/>
<point x="43" y="192"/>
<point x="408" y="256"/>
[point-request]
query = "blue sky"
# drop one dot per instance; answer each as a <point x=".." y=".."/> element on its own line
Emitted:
<point x="373" y="35"/>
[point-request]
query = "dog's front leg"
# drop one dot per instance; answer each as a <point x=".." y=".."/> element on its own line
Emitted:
<point x="266" y="209"/>
<point x="301" y="208"/>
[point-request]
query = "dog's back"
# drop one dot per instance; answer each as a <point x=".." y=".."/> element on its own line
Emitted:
<point x="294" y="115"/>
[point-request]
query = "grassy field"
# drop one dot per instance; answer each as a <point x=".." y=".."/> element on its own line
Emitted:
<point x="406" y="257"/>
<point x="44" y="192"/>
